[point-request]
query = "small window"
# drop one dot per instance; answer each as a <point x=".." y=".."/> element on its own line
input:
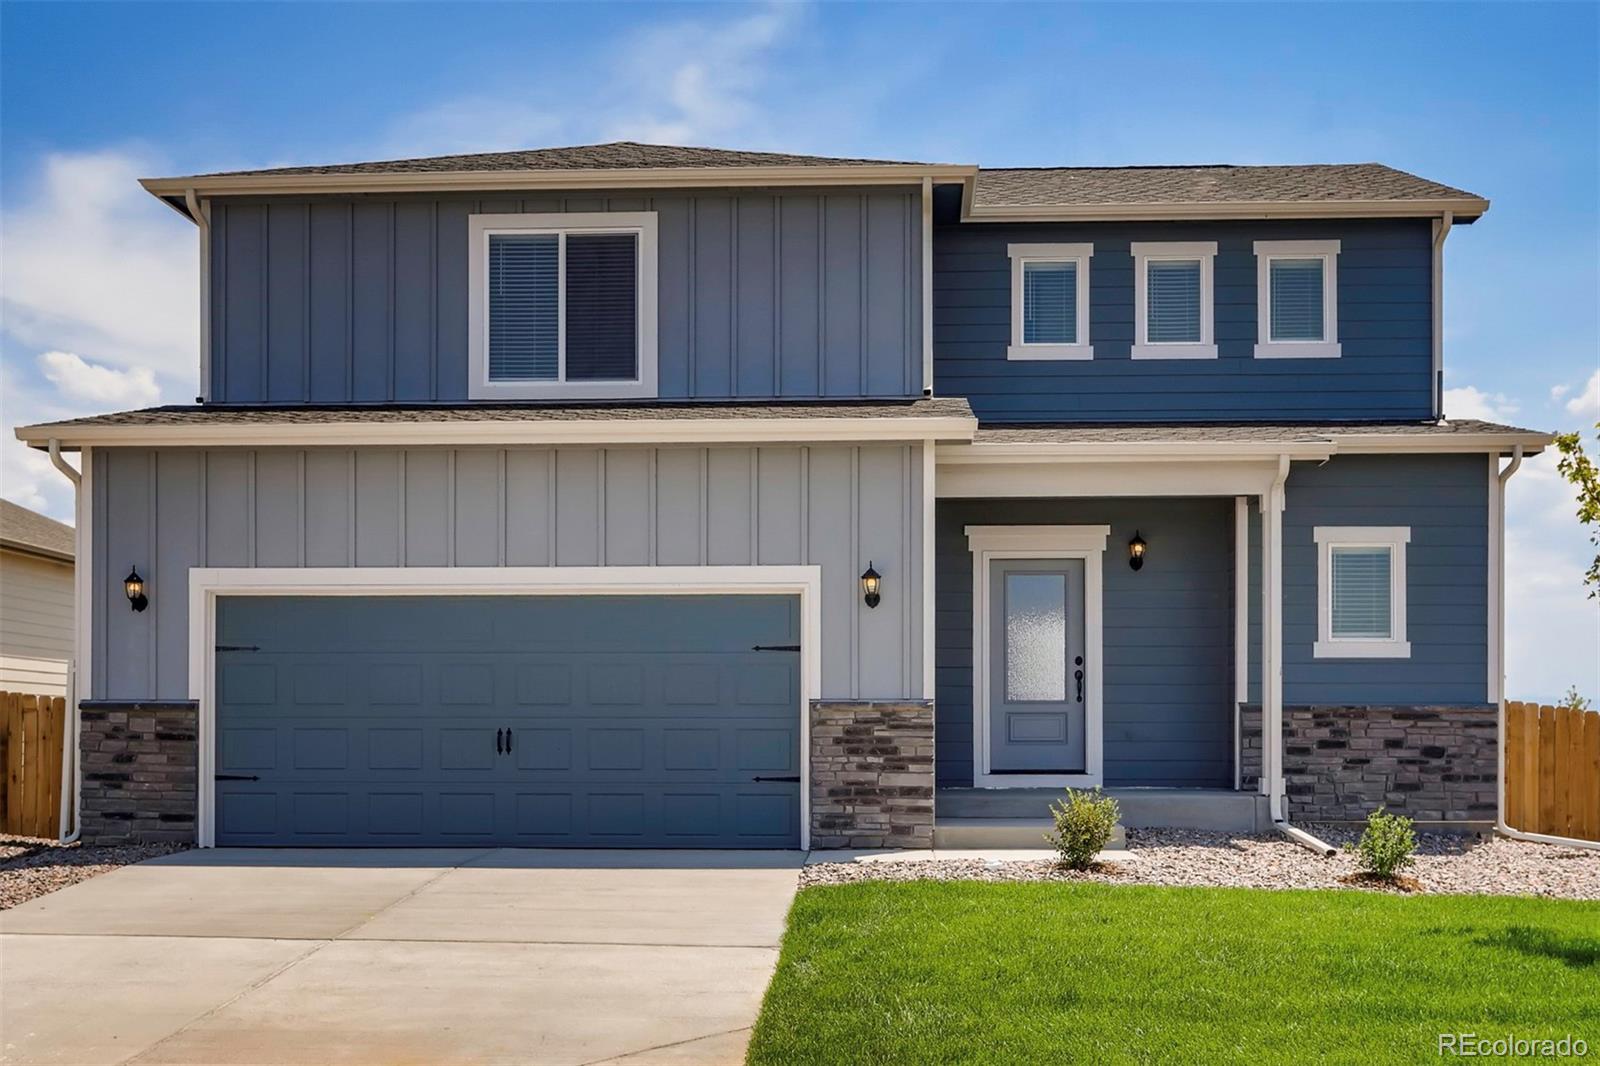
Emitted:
<point x="563" y="306"/>
<point x="1361" y="592"/>
<point x="1297" y="303"/>
<point x="1173" y="297"/>
<point x="1050" y="301"/>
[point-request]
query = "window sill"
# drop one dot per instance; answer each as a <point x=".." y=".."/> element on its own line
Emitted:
<point x="1173" y="351"/>
<point x="564" y="390"/>
<point x="1298" y="350"/>
<point x="1049" y="352"/>
<point x="1361" y="649"/>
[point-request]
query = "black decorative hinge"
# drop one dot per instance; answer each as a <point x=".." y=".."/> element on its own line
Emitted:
<point x="775" y="647"/>
<point x="237" y="777"/>
<point x="237" y="647"/>
<point x="792" y="780"/>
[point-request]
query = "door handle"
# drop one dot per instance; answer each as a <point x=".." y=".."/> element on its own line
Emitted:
<point x="794" y="779"/>
<point x="508" y="740"/>
<point x="499" y="739"/>
<point x="1078" y="674"/>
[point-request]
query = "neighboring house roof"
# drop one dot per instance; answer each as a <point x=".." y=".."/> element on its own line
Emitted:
<point x="1138" y="192"/>
<point x="31" y="532"/>
<point x="616" y="422"/>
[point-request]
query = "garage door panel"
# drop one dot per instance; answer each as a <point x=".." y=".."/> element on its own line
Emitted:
<point x="625" y="721"/>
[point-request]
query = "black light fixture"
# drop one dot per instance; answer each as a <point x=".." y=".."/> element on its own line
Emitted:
<point x="871" y="582"/>
<point x="1136" y="548"/>
<point x="133" y="585"/>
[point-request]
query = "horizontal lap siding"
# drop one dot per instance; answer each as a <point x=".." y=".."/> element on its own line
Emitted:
<point x="799" y="294"/>
<point x="1168" y="635"/>
<point x="1444" y="499"/>
<point x="1385" y="317"/>
<point x="837" y="506"/>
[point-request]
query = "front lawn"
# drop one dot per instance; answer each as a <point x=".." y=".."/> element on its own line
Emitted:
<point x="965" y="971"/>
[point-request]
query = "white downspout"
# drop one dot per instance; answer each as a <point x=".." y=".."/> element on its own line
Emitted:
<point x="1272" y="679"/>
<point x="201" y="213"/>
<point x="1441" y="230"/>
<point x="71" y="802"/>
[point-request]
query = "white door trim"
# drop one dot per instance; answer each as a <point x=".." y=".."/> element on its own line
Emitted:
<point x="989" y="543"/>
<point x="206" y="584"/>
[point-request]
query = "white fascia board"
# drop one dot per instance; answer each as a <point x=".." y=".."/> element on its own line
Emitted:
<point x="575" y="431"/>
<point x="1463" y="209"/>
<point x="1130" y="452"/>
<point x="1387" y="443"/>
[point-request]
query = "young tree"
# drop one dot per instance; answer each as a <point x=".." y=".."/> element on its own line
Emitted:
<point x="1579" y="469"/>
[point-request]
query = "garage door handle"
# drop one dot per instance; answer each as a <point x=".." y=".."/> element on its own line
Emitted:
<point x="775" y="647"/>
<point x="237" y="777"/>
<point x="499" y="741"/>
<point x="793" y="780"/>
<point x="508" y="740"/>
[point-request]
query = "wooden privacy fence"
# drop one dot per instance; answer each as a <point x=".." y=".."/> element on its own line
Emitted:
<point x="1553" y="770"/>
<point x="32" y="730"/>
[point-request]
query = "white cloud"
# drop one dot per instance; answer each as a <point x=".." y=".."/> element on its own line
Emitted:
<point x="79" y="379"/>
<point x="1587" y="402"/>
<point x="94" y="265"/>
<point x="1470" y="402"/>
<point x="1558" y="391"/>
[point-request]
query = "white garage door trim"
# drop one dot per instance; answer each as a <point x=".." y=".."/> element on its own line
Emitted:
<point x="206" y="584"/>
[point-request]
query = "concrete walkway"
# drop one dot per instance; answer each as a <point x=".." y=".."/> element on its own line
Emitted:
<point x="376" y="956"/>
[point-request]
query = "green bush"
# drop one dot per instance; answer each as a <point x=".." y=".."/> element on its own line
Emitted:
<point x="1084" y="823"/>
<point x="1386" y="844"/>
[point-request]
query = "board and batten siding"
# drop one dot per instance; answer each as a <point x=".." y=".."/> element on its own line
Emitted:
<point x="1168" y="635"/>
<point x="35" y="624"/>
<point x="1444" y="499"/>
<point x="1384" y="315"/>
<point x="789" y="294"/>
<point x="836" y="506"/>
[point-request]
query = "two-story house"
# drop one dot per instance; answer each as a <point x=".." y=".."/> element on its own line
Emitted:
<point x="652" y="496"/>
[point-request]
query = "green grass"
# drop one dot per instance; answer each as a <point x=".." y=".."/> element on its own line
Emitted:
<point x="1041" y="973"/>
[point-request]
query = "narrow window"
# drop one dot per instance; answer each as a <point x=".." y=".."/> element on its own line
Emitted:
<point x="1173" y="300"/>
<point x="1361" y="592"/>
<point x="1297" y="299"/>
<point x="1359" y="580"/>
<point x="1050" y="301"/>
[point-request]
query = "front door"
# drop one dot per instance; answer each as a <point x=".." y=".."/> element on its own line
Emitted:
<point x="1037" y="669"/>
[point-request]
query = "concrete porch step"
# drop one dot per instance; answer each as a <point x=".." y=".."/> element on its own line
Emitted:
<point x="1007" y="833"/>
<point x="1222" y="810"/>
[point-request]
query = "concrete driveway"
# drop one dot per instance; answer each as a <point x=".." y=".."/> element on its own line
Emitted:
<point x="372" y="956"/>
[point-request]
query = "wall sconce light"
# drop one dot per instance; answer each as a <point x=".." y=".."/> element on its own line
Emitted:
<point x="1136" y="548"/>
<point x="133" y="585"/>
<point x="871" y="582"/>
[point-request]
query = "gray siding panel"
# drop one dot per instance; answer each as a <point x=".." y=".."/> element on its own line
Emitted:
<point x="1385" y="316"/>
<point x="838" y="506"/>
<point x="798" y="294"/>
<point x="1168" y="632"/>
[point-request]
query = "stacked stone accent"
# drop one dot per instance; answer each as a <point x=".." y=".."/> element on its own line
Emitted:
<point x="1433" y="764"/>
<point x="138" y="772"/>
<point x="872" y="774"/>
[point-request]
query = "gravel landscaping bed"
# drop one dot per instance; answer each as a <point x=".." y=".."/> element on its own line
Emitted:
<point x="32" y="868"/>
<point x="1446" y="863"/>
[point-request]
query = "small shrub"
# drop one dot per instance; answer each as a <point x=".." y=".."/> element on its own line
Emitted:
<point x="1084" y="823"/>
<point x="1386" y="844"/>
<point x="1576" y="700"/>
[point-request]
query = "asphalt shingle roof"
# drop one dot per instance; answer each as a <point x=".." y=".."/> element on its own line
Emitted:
<point x="1320" y="182"/>
<point x="31" y="531"/>
<point x="1226" y="432"/>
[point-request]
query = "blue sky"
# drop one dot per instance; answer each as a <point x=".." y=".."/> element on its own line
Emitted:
<point x="1500" y="99"/>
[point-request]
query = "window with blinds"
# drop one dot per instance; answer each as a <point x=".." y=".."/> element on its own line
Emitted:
<point x="1360" y="585"/>
<point x="1172" y="301"/>
<point x="563" y="307"/>
<point x="1296" y="307"/>
<point x="1050" y="302"/>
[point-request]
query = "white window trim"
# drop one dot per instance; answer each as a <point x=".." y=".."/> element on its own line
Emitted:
<point x="1328" y="252"/>
<point x="1021" y="254"/>
<point x="1143" y="253"/>
<point x="208" y="584"/>
<point x="1088" y="543"/>
<point x="1395" y="538"/>
<point x="481" y="227"/>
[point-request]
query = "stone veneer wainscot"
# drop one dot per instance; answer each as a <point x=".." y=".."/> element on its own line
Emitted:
<point x="872" y="774"/>
<point x="1432" y="764"/>
<point x="139" y="771"/>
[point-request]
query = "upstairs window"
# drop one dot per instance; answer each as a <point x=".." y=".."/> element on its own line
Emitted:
<point x="1297" y="299"/>
<point x="563" y="306"/>
<point x="1173" y="296"/>
<point x="1050" y="301"/>
<point x="1361" y="592"/>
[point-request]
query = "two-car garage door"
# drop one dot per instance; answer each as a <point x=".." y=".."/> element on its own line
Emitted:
<point x="534" y="721"/>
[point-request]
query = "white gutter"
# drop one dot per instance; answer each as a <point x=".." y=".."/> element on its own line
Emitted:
<point x="1499" y="593"/>
<point x="1441" y="230"/>
<point x="71" y="801"/>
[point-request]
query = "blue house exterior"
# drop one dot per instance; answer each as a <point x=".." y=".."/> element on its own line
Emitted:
<point x="642" y="496"/>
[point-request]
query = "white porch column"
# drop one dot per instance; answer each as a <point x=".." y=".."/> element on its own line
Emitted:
<point x="1272" y="504"/>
